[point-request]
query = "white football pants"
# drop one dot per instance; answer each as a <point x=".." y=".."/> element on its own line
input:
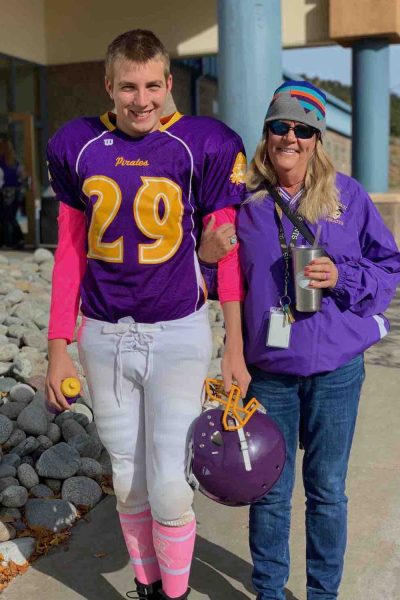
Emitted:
<point x="146" y="383"/>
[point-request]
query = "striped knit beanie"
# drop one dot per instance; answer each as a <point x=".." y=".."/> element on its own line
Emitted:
<point x="299" y="101"/>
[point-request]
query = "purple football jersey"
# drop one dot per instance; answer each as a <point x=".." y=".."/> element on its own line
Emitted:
<point x="144" y="199"/>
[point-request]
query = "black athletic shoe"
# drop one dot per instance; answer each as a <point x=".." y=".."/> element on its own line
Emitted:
<point x="145" y="592"/>
<point x="163" y="595"/>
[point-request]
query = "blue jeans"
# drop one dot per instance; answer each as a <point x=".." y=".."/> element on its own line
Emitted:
<point x="321" y="412"/>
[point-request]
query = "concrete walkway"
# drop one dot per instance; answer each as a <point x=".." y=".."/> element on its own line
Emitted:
<point x="222" y="566"/>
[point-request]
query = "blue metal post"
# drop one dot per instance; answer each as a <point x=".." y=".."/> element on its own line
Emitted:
<point x="371" y="96"/>
<point x="249" y="64"/>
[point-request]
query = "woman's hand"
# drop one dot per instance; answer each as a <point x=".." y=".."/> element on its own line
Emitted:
<point x="233" y="368"/>
<point x="60" y="367"/>
<point x="216" y="243"/>
<point x="322" y="272"/>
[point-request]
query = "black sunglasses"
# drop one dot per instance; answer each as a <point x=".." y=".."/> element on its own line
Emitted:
<point x="303" y="132"/>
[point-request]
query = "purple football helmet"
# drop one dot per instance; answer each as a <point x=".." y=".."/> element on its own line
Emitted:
<point x="236" y="454"/>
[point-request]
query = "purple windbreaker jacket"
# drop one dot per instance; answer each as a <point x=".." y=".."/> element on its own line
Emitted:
<point x="350" y="319"/>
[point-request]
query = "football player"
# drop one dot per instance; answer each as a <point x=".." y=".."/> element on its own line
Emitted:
<point x="134" y="191"/>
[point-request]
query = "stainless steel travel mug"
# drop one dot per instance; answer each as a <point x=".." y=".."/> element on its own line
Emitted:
<point x="307" y="299"/>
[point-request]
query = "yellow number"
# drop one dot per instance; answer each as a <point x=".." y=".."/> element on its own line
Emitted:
<point x="166" y="231"/>
<point x="105" y="209"/>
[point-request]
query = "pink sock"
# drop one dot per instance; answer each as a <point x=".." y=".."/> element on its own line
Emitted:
<point x="137" y="530"/>
<point x="174" y="548"/>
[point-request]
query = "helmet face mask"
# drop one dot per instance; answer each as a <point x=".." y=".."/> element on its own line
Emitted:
<point x="237" y="454"/>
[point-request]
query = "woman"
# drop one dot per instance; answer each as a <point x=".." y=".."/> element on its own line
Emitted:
<point x="312" y="387"/>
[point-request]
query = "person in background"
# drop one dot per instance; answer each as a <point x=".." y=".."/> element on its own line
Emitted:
<point x="311" y="387"/>
<point x="10" y="195"/>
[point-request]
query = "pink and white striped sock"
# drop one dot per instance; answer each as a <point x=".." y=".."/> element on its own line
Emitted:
<point x="137" y="530"/>
<point x="174" y="548"/>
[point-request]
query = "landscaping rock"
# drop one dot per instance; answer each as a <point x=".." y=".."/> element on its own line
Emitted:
<point x="87" y="446"/>
<point x="53" y="433"/>
<point x="8" y="352"/>
<point x="53" y="515"/>
<point x="6" y="427"/>
<point x="15" y="438"/>
<point x="19" y="551"/>
<point x="42" y="255"/>
<point x="41" y="491"/>
<point x="9" y="515"/>
<point x="59" y="462"/>
<point x="33" y="420"/>
<point x="22" y="367"/>
<point x="21" y="392"/>
<point x="105" y="462"/>
<point x="45" y="442"/>
<point x="12" y="409"/>
<point x="14" y="496"/>
<point x="90" y="468"/>
<point x="70" y="428"/>
<point x="6" y="383"/>
<point x="54" y="484"/>
<point x="6" y="482"/>
<point x="7" y="471"/>
<point x="26" y="447"/>
<point x="81" y="491"/>
<point x="35" y="340"/>
<point x="78" y="408"/>
<point x="11" y="459"/>
<point x="7" y="532"/>
<point x="5" y="368"/>
<point x="27" y="476"/>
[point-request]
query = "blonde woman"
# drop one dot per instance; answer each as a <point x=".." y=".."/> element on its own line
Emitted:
<point x="311" y="386"/>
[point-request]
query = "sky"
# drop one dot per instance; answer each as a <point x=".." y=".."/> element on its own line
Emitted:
<point x="334" y="62"/>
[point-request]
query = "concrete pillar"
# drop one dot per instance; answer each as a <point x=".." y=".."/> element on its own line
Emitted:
<point x="371" y="113"/>
<point x="249" y="64"/>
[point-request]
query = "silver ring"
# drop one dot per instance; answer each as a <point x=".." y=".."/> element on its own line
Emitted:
<point x="233" y="240"/>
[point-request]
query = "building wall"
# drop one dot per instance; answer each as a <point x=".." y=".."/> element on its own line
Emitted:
<point x="78" y="89"/>
<point x="338" y="148"/>
<point x="23" y="32"/>
<point x="58" y="32"/>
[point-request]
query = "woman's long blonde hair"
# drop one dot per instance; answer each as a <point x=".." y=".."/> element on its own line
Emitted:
<point x="320" y="198"/>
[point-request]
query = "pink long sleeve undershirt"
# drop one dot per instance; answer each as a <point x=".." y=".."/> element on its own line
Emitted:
<point x="68" y="272"/>
<point x="70" y="265"/>
<point x="230" y="278"/>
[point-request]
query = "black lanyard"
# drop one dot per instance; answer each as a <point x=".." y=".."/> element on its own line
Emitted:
<point x="285" y="248"/>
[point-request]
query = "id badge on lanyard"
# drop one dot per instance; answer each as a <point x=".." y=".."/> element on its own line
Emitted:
<point x="281" y="317"/>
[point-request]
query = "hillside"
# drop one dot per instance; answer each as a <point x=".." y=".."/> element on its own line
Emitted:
<point x="344" y="93"/>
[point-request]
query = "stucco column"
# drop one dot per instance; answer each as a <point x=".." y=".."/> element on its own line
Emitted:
<point x="371" y="96"/>
<point x="249" y="64"/>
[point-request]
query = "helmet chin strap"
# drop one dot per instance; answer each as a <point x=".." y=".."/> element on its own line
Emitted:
<point x="244" y="447"/>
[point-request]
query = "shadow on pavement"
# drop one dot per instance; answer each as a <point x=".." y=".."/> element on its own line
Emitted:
<point x="210" y="566"/>
<point x="77" y="567"/>
<point x="290" y="596"/>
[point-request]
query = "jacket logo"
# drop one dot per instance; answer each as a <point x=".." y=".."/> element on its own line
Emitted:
<point x="120" y="161"/>
<point x="336" y="216"/>
<point x="108" y="142"/>
<point x="239" y="169"/>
